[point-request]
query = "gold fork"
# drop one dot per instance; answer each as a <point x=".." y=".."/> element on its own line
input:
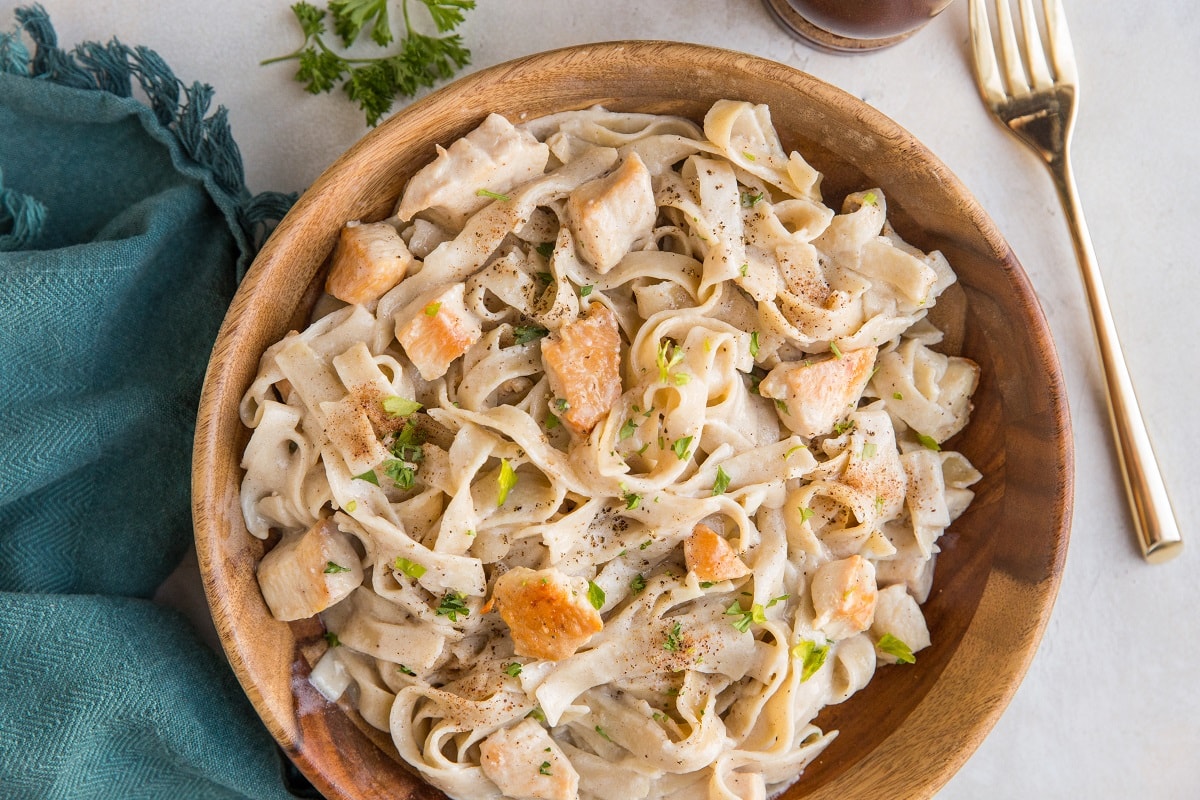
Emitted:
<point x="1036" y="100"/>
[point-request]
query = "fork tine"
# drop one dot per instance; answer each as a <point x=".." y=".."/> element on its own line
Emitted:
<point x="987" y="72"/>
<point x="1014" y="73"/>
<point x="1035" y="57"/>
<point x="1062" y="53"/>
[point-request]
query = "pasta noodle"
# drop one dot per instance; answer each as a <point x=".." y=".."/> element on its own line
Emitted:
<point x="635" y="446"/>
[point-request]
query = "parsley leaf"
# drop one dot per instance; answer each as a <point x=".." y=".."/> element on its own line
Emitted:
<point x="332" y="569"/>
<point x="895" y="647"/>
<point x="627" y="430"/>
<point x="637" y="583"/>
<point x="507" y="480"/>
<point x="682" y="448"/>
<point x="721" y="483"/>
<point x="674" y="639"/>
<point x="544" y="769"/>
<point x="402" y="473"/>
<point x="369" y="476"/>
<point x="453" y="604"/>
<point x="928" y="442"/>
<point x="374" y="83"/>
<point x="400" y="407"/>
<point x="595" y="595"/>
<point x="528" y="333"/>
<point x="410" y="568"/>
<point x="812" y="657"/>
<point x="513" y="669"/>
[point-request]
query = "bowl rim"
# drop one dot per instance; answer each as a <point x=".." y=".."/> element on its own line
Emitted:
<point x="221" y="394"/>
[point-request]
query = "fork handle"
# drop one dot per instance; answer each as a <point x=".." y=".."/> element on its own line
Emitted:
<point x="1157" y="531"/>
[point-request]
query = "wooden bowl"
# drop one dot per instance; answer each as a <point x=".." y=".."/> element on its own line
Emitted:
<point x="998" y="573"/>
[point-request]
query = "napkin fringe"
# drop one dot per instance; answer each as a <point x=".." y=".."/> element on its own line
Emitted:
<point x="184" y="110"/>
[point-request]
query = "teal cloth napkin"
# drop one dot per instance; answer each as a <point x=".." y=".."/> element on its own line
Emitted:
<point x="124" y="227"/>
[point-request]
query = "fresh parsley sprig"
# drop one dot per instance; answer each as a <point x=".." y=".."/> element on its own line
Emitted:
<point x="375" y="83"/>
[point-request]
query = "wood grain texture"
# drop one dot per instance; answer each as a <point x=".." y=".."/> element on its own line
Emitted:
<point x="998" y="573"/>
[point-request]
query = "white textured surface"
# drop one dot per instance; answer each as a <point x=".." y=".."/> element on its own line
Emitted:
<point x="1109" y="707"/>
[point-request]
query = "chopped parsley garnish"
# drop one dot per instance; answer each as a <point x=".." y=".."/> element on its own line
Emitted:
<point x="781" y="405"/>
<point x="432" y="309"/>
<point x="537" y="714"/>
<point x="401" y="472"/>
<point x="632" y="500"/>
<point x="897" y="396"/>
<point x="332" y="569"/>
<point x="837" y="351"/>
<point x="561" y="405"/>
<point x="869" y="199"/>
<point x="552" y="422"/>
<point x="868" y="450"/>
<point x="528" y="333"/>
<point x="603" y="734"/>
<point x="637" y="583"/>
<point x="756" y="613"/>
<point x="410" y="568"/>
<point x="895" y="647"/>
<point x="512" y="670"/>
<point x="721" y="483"/>
<point x="751" y="200"/>
<point x="793" y="450"/>
<point x="668" y="357"/>
<point x="492" y="195"/>
<point x="332" y="639"/>
<point x="544" y="769"/>
<point x="627" y="430"/>
<point x="812" y="657"/>
<point x="681" y="378"/>
<point x="806" y="514"/>
<point x="545" y="277"/>
<point x="369" y="476"/>
<point x="746" y="154"/>
<point x="674" y="639"/>
<point x="453" y="604"/>
<point x="754" y="344"/>
<point x="584" y="291"/>
<point x="682" y="448"/>
<point x="406" y="444"/>
<point x="351" y="507"/>
<point x="644" y="545"/>
<point x="595" y="595"/>
<point x="744" y="270"/>
<point x="843" y="426"/>
<point x="928" y="442"/>
<point x="406" y="670"/>
<point x="545" y="249"/>
<point x="400" y="406"/>
<point x="507" y="480"/>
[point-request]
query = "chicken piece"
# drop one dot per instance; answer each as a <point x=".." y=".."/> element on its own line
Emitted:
<point x="490" y="160"/>
<point x="527" y="764"/>
<point x="547" y="612"/>
<point x="370" y="258"/>
<point x="608" y="215"/>
<point x="816" y="395"/>
<point x="711" y="557"/>
<point x="897" y="613"/>
<point x="438" y="332"/>
<point x="844" y="596"/>
<point x="583" y="365"/>
<point x="309" y="572"/>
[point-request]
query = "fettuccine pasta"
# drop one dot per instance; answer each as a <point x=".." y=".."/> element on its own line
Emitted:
<point x="611" y="458"/>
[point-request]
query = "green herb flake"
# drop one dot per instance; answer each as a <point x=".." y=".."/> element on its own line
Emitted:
<point x="811" y="656"/>
<point x="492" y="195"/>
<point x="406" y="444"/>
<point x="400" y="407"/>
<point x="523" y="334"/>
<point x="332" y="639"/>
<point x="674" y="640"/>
<point x="751" y="200"/>
<point x="681" y="378"/>
<point x="410" y="568"/>
<point x="928" y="442"/>
<point x="870" y="199"/>
<point x="406" y="670"/>
<point x="544" y="769"/>
<point x="545" y="249"/>
<point x="603" y="734"/>
<point x="369" y="476"/>
<point x="897" y="396"/>
<point x="537" y="714"/>
<point x="721" y="483"/>
<point x="843" y="426"/>
<point x="806" y="514"/>
<point x="595" y="595"/>
<point x="746" y="154"/>
<point x="552" y="422"/>
<point x="632" y="500"/>
<point x="351" y="507"/>
<point x="401" y="472"/>
<point x="453" y="604"/>
<point x="545" y="277"/>
<point x="895" y="647"/>
<point x="432" y="309"/>
<point x="868" y="450"/>
<point x="584" y="291"/>
<point x="644" y="545"/>
<point x="627" y="430"/>
<point x="637" y="583"/>
<point x="793" y="450"/>
<point x="667" y="357"/>
<point x="512" y="670"/>
<point x="837" y="351"/>
<point x="745" y="616"/>
<point x="781" y="405"/>
<point x="507" y="480"/>
<point x="744" y="270"/>
<point x="561" y="405"/>
<point x="682" y="448"/>
<point x="332" y="569"/>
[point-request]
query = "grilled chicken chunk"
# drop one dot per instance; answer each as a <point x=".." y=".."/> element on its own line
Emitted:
<point x="439" y="332"/>
<point x="307" y="573"/>
<point x="547" y="612"/>
<point x="583" y="365"/>
<point x="844" y="596"/>
<point x="526" y="764"/>
<point x="370" y="258"/>
<point x="608" y="215"/>
<point x="816" y="395"/>
<point x="490" y="160"/>
<point x="711" y="557"/>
